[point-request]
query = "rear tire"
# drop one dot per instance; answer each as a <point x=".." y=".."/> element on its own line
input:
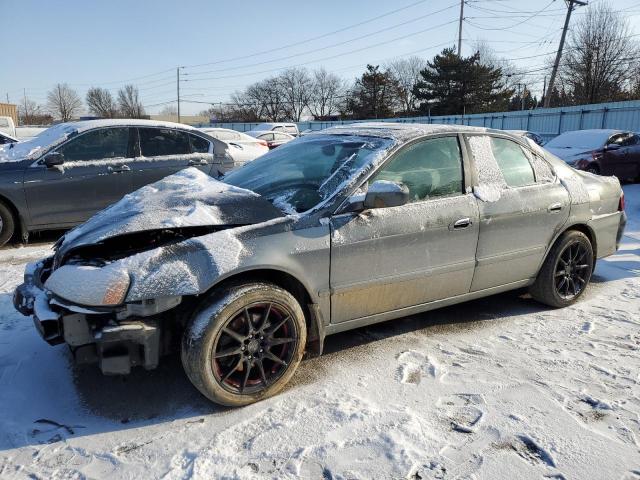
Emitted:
<point x="7" y="224"/>
<point x="244" y="343"/>
<point x="566" y="272"/>
<point x="593" y="169"/>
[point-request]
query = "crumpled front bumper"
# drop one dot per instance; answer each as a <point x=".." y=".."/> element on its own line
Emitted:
<point x="30" y="299"/>
<point x="93" y="335"/>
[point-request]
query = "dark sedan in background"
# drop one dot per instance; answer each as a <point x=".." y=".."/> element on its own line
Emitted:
<point x="72" y="170"/>
<point x="603" y="152"/>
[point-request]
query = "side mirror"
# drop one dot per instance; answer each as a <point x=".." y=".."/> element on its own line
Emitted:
<point x="382" y="194"/>
<point x="612" y="146"/>
<point x="53" y="159"/>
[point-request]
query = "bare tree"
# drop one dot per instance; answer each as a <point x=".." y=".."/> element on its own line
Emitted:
<point x="129" y="102"/>
<point x="406" y="71"/>
<point x="63" y="102"/>
<point x="101" y="103"/>
<point x="326" y="94"/>
<point x="267" y="98"/>
<point x="295" y="84"/>
<point x="28" y="112"/>
<point x="600" y="55"/>
<point x="169" y="111"/>
<point x="511" y="76"/>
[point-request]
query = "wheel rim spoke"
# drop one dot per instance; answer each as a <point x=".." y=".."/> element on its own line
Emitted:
<point x="228" y="352"/>
<point x="263" y="377"/>
<point x="561" y="273"/>
<point x="275" y="328"/>
<point x="238" y="363"/>
<point x="249" y="367"/>
<point x="265" y="317"/>
<point x="247" y="318"/>
<point x="235" y="335"/>
<point x="281" y="341"/>
<point x="271" y="356"/>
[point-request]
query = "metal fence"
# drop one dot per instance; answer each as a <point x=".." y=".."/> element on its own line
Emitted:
<point x="548" y="122"/>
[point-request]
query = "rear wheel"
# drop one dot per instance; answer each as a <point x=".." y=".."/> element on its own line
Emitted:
<point x="566" y="272"/>
<point x="244" y="343"/>
<point x="593" y="169"/>
<point x="7" y="224"/>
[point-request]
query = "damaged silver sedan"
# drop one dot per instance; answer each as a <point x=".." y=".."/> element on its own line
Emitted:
<point x="336" y="230"/>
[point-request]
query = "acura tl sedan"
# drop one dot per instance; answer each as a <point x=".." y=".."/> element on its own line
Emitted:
<point x="336" y="230"/>
<point x="71" y="171"/>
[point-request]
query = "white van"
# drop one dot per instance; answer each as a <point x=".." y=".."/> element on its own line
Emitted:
<point x="290" y="128"/>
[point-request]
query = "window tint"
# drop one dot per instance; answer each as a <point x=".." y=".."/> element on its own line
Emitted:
<point x="513" y="162"/>
<point x="629" y="140"/>
<point x="432" y="168"/>
<point x="199" y="144"/>
<point x="97" y="145"/>
<point x="156" y="142"/>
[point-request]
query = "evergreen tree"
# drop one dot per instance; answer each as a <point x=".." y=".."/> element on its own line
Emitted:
<point x="373" y="95"/>
<point x="453" y="85"/>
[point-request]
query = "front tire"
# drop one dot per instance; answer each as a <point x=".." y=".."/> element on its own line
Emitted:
<point x="566" y="272"/>
<point x="244" y="343"/>
<point x="7" y="224"/>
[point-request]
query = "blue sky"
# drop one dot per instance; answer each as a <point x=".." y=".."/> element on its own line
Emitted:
<point x="110" y="43"/>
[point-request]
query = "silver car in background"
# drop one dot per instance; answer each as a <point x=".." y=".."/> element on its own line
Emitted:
<point x="336" y="230"/>
<point x="241" y="147"/>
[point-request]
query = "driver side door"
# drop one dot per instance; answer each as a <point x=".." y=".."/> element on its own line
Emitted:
<point x="387" y="259"/>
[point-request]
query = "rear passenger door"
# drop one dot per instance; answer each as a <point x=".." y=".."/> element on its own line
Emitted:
<point x="164" y="151"/>
<point x="522" y="205"/>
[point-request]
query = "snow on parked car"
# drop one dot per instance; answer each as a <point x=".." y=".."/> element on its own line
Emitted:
<point x="242" y="147"/>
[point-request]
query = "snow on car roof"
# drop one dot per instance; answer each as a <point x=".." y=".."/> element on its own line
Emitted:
<point x="34" y="147"/>
<point x="398" y="131"/>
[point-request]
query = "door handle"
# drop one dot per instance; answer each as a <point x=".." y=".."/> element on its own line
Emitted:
<point x="460" y="224"/>
<point x="554" y="207"/>
<point x="197" y="162"/>
<point x="120" y="169"/>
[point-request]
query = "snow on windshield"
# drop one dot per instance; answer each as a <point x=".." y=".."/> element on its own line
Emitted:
<point x="305" y="173"/>
<point x="30" y="149"/>
<point x="587" y="139"/>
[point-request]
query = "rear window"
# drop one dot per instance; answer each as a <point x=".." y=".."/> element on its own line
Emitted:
<point x="221" y="135"/>
<point x="156" y="142"/>
<point x="199" y="144"/>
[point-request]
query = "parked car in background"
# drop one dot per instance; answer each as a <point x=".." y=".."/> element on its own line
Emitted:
<point x="8" y="127"/>
<point x="72" y="170"/>
<point x="5" y="138"/>
<point x="604" y="152"/>
<point x="273" y="139"/>
<point x="27" y="133"/>
<point x="242" y="147"/>
<point x="290" y="128"/>
<point x="340" y="229"/>
<point x="536" y="137"/>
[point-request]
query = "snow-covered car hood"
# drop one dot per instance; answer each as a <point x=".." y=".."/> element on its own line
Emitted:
<point x="189" y="198"/>
<point x="570" y="154"/>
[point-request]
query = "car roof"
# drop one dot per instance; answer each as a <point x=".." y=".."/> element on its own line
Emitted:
<point x="84" y="125"/>
<point x="402" y="131"/>
<point x="598" y="131"/>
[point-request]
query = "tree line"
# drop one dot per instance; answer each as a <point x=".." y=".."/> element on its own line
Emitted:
<point x="600" y="63"/>
<point x="64" y="104"/>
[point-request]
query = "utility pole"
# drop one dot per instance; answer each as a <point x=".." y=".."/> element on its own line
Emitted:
<point x="178" y="89"/>
<point x="460" y="27"/>
<point x="522" y="97"/>
<point x="570" y="6"/>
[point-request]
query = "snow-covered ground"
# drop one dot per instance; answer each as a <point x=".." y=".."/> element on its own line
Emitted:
<point x="497" y="388"/>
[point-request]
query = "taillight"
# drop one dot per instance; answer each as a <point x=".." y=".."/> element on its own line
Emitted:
<point x="263" y="143"/>
<point x="621" y="203"/>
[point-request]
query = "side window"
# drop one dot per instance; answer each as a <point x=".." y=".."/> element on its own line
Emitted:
<point x="280" y="136"/>
<point x="155" y="142"/>
<point x="618" y="139"/>
<point x="97" y="145"/>
<point x="199" y="144"/>
<point x="513" y="162"/>
<point x="629" y="140"/>
<point x="266" y="136"/>
<point x="429" y="169"/>
<point x="277" y="129"/>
